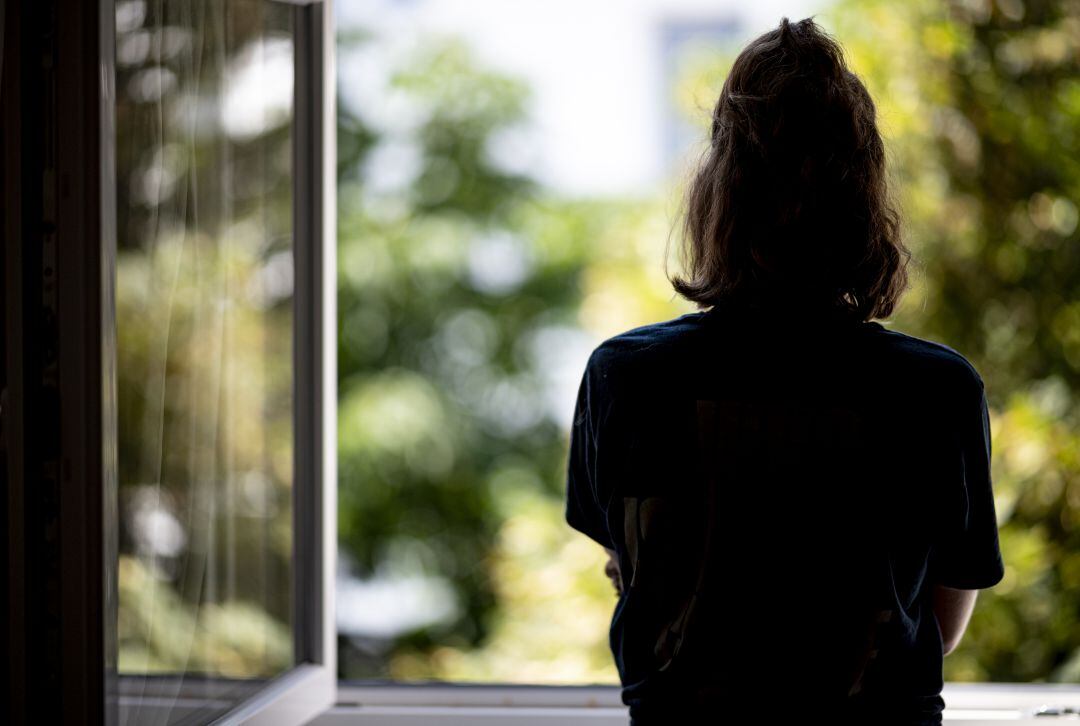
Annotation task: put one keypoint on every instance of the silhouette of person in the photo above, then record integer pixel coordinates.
(796, 500)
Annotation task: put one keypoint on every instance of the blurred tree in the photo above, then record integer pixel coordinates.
(454, 289)
(455, 270)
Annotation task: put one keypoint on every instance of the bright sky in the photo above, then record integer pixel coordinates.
(596, 68)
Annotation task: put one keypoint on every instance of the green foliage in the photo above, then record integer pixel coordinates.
(447, 444)
(980, 105)
(439, 394)
(158, 632)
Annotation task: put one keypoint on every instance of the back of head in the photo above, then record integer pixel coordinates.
(789, 206)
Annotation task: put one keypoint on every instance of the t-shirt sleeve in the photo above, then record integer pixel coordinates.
(968, 556)
(583, 510)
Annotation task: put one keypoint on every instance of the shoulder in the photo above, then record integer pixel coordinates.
(936, 361)
(644, 344)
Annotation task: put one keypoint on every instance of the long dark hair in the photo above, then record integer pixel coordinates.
(789, 204)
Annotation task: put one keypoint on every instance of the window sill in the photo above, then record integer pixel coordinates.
(511, 705)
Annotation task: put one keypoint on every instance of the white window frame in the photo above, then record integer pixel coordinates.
(968, 704)
(460, 704)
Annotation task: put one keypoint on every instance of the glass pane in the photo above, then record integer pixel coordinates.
(204, 328)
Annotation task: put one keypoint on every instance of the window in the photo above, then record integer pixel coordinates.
(204, 340)
(171, 486)
(218, 366)
(493, 225)
(171, 337)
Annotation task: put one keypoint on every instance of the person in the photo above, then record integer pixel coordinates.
(796, 499)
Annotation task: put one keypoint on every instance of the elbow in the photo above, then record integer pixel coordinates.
(948, 645)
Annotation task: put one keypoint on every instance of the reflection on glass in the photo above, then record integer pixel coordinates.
(204, 326)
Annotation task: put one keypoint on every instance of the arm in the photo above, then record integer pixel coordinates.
(968, 558)
(953, 608)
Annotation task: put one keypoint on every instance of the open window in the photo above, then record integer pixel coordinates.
(170, 343)
(508, 173)
(169, 395)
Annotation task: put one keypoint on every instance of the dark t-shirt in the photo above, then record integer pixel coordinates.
(781, 495)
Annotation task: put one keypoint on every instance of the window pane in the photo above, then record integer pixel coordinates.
(204, 326)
